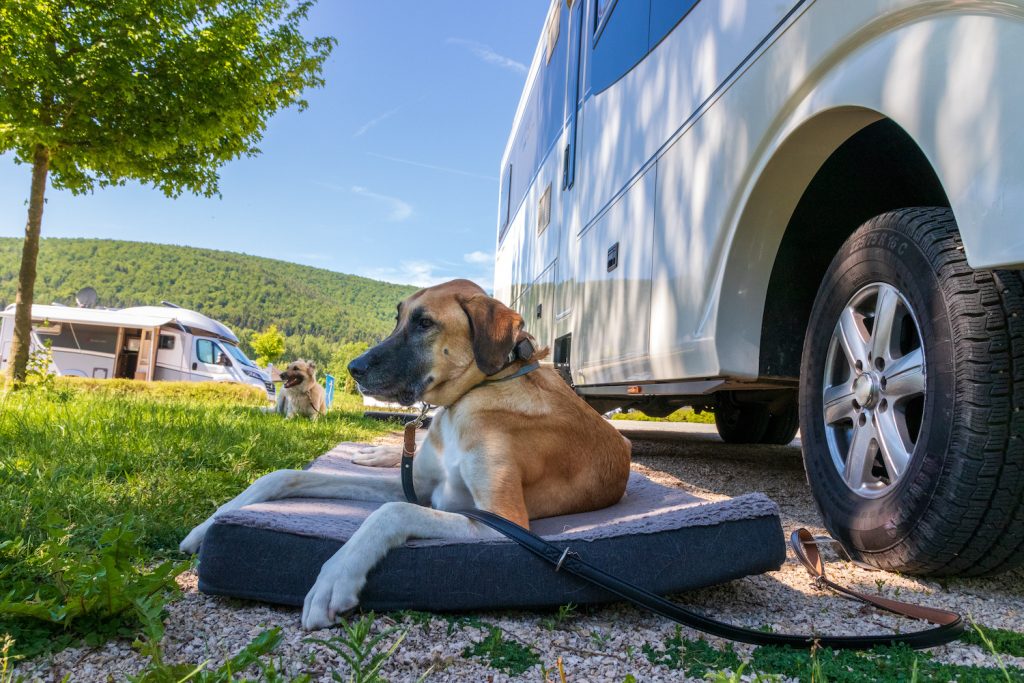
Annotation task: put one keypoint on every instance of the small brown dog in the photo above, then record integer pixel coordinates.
(301, 393)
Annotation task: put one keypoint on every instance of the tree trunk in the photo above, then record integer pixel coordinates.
(18, 359)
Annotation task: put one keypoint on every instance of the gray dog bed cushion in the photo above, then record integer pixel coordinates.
(661, 538)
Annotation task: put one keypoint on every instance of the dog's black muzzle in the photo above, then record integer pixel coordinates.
(394, 370)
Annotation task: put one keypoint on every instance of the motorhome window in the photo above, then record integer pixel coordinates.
(620, 41)
(541, 123)
(505, 208)
(554, 23)
(665, 15)
(208, 352)
(166, 342)
(602, 8)
(239, 356)
(84, 338)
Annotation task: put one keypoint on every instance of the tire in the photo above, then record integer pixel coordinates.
(783, 424)
(957, 505)
(740, 422)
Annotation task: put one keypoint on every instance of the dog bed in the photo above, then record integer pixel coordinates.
(661, 538)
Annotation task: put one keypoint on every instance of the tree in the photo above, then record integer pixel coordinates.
(163, 92)
(268, 345)
(344, 355)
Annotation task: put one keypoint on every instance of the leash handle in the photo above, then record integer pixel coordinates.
(805, 547)
(950, 627)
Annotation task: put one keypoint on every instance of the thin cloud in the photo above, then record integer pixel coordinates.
(400, 210)
(373, 122)
(432, 167)
(416, 273)
(487, 54)
(478, 258)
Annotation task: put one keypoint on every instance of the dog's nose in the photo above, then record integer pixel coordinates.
(359, 367)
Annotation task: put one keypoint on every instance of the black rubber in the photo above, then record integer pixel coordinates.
(959, 508)
(738, 422)
(783, 424)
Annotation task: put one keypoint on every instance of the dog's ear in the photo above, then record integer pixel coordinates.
(312, 367)
(493, 327)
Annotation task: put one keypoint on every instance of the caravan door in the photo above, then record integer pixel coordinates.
(209, 361)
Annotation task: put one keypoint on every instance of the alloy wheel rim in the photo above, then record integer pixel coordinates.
(874, 389)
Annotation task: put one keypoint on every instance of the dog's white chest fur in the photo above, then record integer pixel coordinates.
(445, 470)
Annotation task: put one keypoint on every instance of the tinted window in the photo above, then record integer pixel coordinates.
(620, 41)
(504, 209)
(208, 352)
(665, 14)
(84, 337)
(166, 341)
(543, 116)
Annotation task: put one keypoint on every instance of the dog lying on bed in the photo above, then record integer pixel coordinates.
(301, 393)
(523, 446)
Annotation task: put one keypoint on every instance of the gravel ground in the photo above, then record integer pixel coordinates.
(600, 643)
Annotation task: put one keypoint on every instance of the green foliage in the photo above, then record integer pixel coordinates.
(267, 345)
(693, 657)
(560, 618)
(161, 92)
(996, 639)
(895, 664)
(249, 656)
(504, 655)
(359, 648)
(681, 415)
(74, 589)
(131, 473)
(344, 355)
(316, 309)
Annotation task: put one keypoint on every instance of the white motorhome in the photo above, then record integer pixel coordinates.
(146, 343)
(797, 213)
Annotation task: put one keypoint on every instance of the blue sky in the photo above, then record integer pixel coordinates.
(391, 172)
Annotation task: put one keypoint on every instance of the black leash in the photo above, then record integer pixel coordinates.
(949, 625)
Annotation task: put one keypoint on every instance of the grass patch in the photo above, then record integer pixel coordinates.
(504, 655)
(694, 657)
(681, 415)
(148, 459)
(700, 659)
(999, 640)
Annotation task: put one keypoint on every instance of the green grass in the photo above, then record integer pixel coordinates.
(681, 415)
(153, 459)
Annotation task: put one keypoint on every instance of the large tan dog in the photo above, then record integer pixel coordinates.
(523, 448)
(301, 393)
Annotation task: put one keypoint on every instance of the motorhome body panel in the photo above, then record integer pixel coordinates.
(729, 117)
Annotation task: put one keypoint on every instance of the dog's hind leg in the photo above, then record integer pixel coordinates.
(343, 576)
(301, 484)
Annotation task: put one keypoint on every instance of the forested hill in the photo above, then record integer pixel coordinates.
(248, 293)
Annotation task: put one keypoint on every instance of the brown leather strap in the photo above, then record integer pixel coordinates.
(805, 547)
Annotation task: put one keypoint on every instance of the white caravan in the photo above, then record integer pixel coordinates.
(796, 213)
(142, 343)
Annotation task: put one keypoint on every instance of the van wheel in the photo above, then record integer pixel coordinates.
(783, 423)
(912, 400)
(740, 422)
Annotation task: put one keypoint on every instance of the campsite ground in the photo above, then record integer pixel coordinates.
(609, 643)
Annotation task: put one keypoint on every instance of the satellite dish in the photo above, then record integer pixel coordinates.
(86, 297)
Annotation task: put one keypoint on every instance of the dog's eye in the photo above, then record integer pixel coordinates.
(426, 323)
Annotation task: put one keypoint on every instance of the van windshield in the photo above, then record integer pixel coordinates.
(239, 356)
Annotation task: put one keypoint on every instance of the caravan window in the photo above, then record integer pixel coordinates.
(166, 341)
(620, 40)
(82, 337)
(208, 352)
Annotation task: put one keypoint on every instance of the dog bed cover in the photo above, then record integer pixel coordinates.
(661, 538)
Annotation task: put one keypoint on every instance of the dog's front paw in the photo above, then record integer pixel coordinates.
(195, 538)
(329, 598)
(378, 456)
